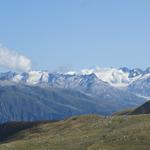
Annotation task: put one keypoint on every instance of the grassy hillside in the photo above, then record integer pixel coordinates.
(83, 133)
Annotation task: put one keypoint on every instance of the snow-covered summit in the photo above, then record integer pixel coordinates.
(119, 78)
(113, 76)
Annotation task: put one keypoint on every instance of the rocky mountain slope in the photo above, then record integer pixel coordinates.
(26, 103)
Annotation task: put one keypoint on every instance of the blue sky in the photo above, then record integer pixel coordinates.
(78, 33)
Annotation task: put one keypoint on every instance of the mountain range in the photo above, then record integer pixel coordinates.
(43, 95)
(119, 78)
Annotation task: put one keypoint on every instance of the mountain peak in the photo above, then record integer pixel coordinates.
(119, 78)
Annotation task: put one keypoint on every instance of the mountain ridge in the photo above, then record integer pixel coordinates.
(121, 78)
(38, 95)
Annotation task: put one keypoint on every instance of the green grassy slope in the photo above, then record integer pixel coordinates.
(84, 133)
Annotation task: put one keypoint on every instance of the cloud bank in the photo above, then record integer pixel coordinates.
(13, 60)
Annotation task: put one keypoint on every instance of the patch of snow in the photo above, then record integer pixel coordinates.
(17, 78)
(35, 77)
(71, 73)
(115, 77)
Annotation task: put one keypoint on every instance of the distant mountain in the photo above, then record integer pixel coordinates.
(28, 103)
(141, 86)
(135, 80)
(122, 77)
(42, 95)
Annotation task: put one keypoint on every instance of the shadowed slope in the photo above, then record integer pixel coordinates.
(143, 109)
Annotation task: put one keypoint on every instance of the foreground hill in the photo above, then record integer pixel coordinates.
(84, 132)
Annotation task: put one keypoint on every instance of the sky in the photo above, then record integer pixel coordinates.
(75, 34)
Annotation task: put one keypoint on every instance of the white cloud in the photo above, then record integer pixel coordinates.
(12, 60)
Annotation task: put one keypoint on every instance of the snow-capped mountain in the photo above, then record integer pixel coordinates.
(122, 77)
(102, 91)
(135, 80)
(141, 86)
(115, 77)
